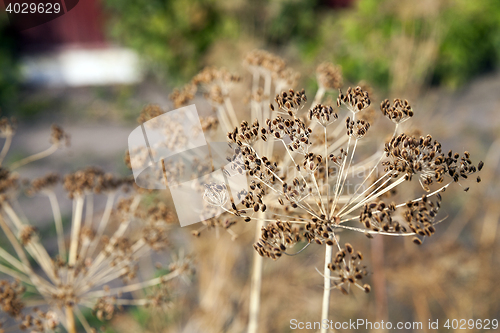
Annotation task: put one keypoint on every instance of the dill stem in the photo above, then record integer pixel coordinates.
(5, 149)
(255, 286)
(327, 286)
(75, 231)
(58, 223)
(230, 111)
(70, 319)
(34, 157)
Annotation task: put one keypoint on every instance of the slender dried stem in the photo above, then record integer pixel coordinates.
(5, 149)
(75, 231)
(58, 222)
(255, 286)
(70, 319)
(34, 157)
(327, 286)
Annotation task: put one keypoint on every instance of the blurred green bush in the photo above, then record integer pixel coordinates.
(9, 67)
(399, 43)
(390, 43)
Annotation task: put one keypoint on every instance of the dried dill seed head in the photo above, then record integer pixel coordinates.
(209, 123)
(329, 76)
(216, 194)
(290, 102)
(323, 114)
(423, 156)
(399, 112)
(104, 308)
(276, 238)
(347, 270)
(263, 63)
(216, 84)
(47, 182)
(10, 298)
(210, 75)
(182, 97)
(265, 60)
(149, 112)
(26, 234)
(73, 278)
(355, 99)
(9, 182)
(39, 321)
(58, 137)
(92, 179)
(357, 129)
(7, 127)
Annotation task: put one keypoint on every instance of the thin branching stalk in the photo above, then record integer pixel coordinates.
(56, 211)
(34, 157)
(5, 149)
(326, 287)
(70, 318)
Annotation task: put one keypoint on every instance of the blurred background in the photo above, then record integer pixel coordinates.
(93, 70)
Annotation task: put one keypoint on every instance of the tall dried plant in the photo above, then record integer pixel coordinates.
(48, 289)
(299, 164)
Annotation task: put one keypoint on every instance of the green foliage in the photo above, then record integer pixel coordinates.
(172, 35)
(466, 35)
(9, 67)
(472, 42)
(450, 40)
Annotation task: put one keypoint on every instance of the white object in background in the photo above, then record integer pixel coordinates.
(77, 67)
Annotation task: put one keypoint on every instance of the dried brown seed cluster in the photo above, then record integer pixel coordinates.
(421, 216)
(210, 75)
(183, 96)
(253, 199)
(10, 297)
(155, 232)
(276, 238)
(7, 127)
(182, 265)
(216, 83)
(40, 322)
(290, 102)
(91, 179)
(216, 194)
(209, 123)
(26, 234)
(295, 191)
(292, 130)
(423, 156)
(105, 308)
(265, 60)
(323, 114)
(399, 112)
(49, 181)
(9, 182)
(245, 134)
(312, 162)
(260, 168)
(347, 270)
(58, 137)
(329, 76)
(149, 112)
(337, 159)
(320, 231)
(358, 128)
(355, 99)
(160, 298)
(377, 216)
(121, 254)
